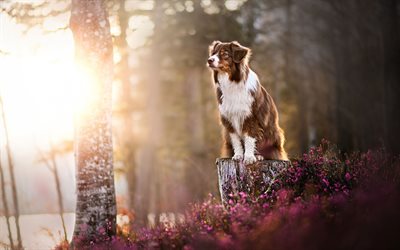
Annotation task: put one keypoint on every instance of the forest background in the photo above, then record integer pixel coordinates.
(331, 67)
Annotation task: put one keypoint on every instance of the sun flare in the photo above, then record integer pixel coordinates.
(44, 96)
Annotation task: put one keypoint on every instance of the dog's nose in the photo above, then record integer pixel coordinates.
(210, 60)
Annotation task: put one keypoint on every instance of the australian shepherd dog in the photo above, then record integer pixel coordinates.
(248, 113)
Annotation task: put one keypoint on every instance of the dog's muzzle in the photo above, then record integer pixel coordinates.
(213, 61)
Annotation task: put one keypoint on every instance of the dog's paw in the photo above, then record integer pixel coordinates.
(237, 157)
(249, 159)
(259, 157)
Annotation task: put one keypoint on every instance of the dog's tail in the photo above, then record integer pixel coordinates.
(272, 147)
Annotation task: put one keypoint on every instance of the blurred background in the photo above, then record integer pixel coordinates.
(332, 68)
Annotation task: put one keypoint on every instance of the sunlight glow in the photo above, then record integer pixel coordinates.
(48, 93)
(42, 87)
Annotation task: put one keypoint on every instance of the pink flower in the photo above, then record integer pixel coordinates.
(101, 230)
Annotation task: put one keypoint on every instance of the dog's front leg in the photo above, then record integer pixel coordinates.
(237, 147)
(249, 150)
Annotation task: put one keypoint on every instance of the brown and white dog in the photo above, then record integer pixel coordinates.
(248, 113)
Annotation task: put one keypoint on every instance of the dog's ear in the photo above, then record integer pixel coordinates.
(212, 46)
(239, 52)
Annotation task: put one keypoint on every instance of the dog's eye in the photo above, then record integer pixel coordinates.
(225, 54)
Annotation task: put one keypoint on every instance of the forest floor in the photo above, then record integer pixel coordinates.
(326, 200)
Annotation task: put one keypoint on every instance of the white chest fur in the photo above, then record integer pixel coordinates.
(237, 99)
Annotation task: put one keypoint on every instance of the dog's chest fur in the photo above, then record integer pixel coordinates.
(237, 99)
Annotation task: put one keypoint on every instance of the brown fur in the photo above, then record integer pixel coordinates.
(263, 123)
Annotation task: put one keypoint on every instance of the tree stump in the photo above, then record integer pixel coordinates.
(234, 177)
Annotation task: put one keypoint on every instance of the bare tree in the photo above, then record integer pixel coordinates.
(96, 204)
(12, 175)
(5, 205)
(49, 159)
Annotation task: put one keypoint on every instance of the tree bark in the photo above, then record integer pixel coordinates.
(96, 205)
(234, 177)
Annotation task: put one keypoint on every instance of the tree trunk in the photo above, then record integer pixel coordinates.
(96, 205)
(59, 194)
(391, 66)
(234, 177)
(148, 177)
(125, 133)
(195, 173)
(5, 206)
(12, 175)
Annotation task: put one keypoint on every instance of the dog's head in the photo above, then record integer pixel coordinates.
(227, 57)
